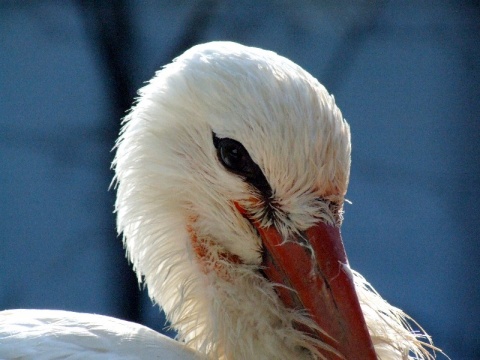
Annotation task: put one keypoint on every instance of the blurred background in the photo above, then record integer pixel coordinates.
(405, 74)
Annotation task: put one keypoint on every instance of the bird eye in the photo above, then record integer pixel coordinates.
(235, 157)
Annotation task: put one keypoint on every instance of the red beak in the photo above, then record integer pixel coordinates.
(314, 271)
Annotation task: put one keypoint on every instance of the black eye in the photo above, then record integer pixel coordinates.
(236, 159)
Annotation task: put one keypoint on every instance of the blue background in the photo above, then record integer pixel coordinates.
(405, 74)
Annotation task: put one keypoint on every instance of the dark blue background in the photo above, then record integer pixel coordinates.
(406, 77)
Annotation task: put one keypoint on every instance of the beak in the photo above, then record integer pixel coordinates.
(313, 272)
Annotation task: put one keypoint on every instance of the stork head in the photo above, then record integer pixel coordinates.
(232, 169)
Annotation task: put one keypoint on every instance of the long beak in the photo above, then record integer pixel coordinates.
(313, 271)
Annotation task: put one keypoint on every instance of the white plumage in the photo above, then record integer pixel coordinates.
(56, 334)
(177, 206)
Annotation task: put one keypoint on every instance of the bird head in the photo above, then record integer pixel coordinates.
(231, 170)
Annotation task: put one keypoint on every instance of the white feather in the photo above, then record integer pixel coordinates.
(55, 334)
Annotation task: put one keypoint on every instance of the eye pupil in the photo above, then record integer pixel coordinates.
(234, 156)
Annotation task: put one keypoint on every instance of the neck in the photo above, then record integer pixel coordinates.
(229, 311)
(242, 319)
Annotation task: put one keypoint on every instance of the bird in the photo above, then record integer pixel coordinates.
(231, 171)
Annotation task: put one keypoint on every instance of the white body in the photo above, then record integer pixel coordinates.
(56, 334)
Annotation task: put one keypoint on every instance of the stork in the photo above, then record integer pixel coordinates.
(231, 174)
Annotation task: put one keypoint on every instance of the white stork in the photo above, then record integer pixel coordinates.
(231, 172)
